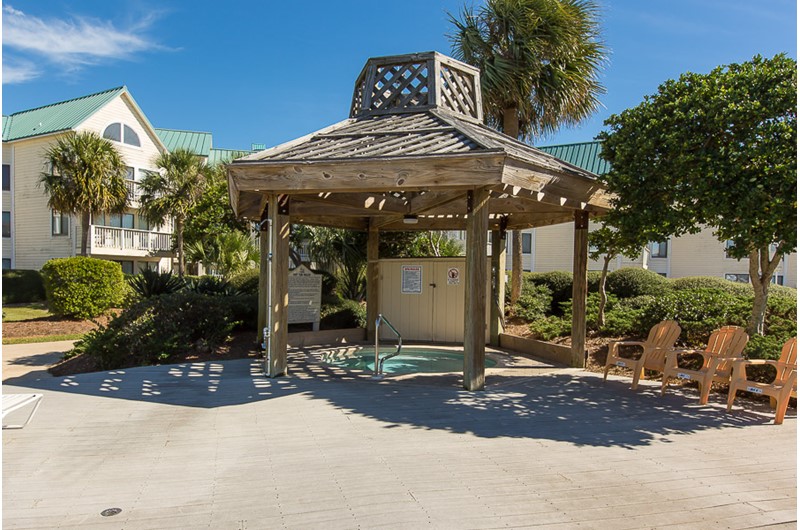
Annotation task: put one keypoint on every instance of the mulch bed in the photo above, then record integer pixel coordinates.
(52, 325)
(241, 346)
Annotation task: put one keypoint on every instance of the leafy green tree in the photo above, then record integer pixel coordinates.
(212, 212)
(173, 192)
(608, 243)
(716, 149)
(539, 61)
(228, 253)
(86, 177)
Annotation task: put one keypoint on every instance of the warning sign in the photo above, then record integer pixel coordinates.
(453, 276)
(411, 280)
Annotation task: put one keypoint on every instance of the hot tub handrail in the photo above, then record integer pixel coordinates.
(378, 360)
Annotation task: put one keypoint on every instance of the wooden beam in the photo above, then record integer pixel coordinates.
(369, 202)
(300, 207)
(497, 317)
(278, 213)
(580, 288)
(451, 171)
(475, 289)
(373, 278)
(430, 203)
(351, 223)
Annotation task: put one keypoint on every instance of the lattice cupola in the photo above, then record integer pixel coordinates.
(417, 82)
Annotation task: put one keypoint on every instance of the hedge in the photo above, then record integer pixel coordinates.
(630, 281)
(22, 286)
(155, 329)
(83, 287)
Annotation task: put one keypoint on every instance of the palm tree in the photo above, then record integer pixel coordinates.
(86, 177)
(172, 192)
(539, 61)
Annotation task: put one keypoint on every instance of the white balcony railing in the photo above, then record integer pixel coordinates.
(134, 190)
(121, 239)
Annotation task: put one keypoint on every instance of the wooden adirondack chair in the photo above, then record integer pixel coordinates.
(661, 339)
(779, 390)
(724, 347)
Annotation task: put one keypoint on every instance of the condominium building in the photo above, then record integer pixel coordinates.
(33, 233)
(549, 248)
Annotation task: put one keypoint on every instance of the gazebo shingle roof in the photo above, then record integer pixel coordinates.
(414, 147)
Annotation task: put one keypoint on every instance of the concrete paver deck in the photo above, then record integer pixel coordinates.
(217, 445)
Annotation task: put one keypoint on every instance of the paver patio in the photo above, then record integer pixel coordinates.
(217, 445)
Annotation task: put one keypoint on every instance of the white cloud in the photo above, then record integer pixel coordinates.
(70, 43)
(18, 71)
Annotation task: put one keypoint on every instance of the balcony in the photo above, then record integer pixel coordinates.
(107, 240)
(134, 191)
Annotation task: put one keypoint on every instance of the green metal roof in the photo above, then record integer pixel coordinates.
(585, 155)
(217, 156)
(62, 116)
(196, 142)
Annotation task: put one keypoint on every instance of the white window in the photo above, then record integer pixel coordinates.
(6, 263)
(526, 243)
(6, 177)
(658, 249)
(6, 224)
(728, 245)
(119, 132)
(60, 224)
(741, 278)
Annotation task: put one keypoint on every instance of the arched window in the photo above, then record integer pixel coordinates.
(113, 132)
(119, 132)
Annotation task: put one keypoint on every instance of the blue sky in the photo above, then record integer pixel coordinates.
(268, 72)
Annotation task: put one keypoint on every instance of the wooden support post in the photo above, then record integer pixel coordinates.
(278, 214)
(475, 289)
(373, 278)
(496, 319)
(580, 264)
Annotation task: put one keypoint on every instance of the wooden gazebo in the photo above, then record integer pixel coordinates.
(414, 155)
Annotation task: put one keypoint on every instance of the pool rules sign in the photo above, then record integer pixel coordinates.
(305, 296)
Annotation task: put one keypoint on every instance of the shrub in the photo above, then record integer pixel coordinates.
(210, 285)
(153, 283)
(156, 328)
(690, 283)
(593, 281)
(22, 287)
(243, 310)
(559, 283)
(551, 327)
(698, 311)
(83, 287)
(534, 302)
(631, 281)
(625, 317)
(345, 314)
(246, 282)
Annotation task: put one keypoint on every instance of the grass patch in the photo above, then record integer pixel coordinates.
(19, 313)
(44, 338)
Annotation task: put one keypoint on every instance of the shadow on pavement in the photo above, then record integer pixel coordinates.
(569, 406)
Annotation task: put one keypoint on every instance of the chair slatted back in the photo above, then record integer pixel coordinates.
(662, 337)
(788, 356)
(727, 341)
(664, 334)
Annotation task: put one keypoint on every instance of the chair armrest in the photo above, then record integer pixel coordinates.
(614, 346)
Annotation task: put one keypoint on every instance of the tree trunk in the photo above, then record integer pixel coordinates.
(86, 229)
(511, 128)
(179, 237)
(761, 270)
(601, 313)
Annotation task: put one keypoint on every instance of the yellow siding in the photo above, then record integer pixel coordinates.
(7, 248)
(702, 254)
(31, 217)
